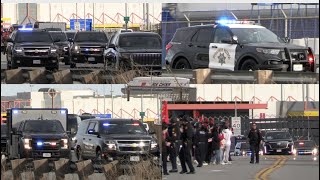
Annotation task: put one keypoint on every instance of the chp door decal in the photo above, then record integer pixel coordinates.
(222, 56)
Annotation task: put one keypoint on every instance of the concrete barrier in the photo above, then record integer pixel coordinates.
(40, 167)
(263, 77)
(38, 76)
(92, 78)
(72, 176)
(97, 176)
(62, 77)
(124, 77)
(85, 168)
(7, 175)
(49, 176)
(29, 175)
(61, 167)
(4, 166)
(17, 166)
(14, 76)
(202, 76)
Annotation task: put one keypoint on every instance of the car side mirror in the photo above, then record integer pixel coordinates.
(9, 40)
(73, 130)
(70, 39)
(113, 46)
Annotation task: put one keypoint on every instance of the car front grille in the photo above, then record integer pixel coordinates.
(36, 51)
(146, 59)
(46, 144)
(91, 50)
(133, 146)
(278, 145)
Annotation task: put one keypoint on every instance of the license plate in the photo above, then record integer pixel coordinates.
(134, 158)
(46, 155)
(91, 59)
(298, 67)
(36, 62)
(279, 150)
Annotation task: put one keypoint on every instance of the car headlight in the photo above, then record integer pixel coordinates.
(315, 151)
(111, 145)
(18, 49)
(268, 51)
(27, 144)
(65, 144)
(153, 144)
(53, 50)
(76, 48)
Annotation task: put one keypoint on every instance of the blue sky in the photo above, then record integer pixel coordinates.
(13, 89)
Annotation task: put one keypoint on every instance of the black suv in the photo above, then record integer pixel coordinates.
(235, 46)
(42, 139)
(129, 50)
(278, 142)
(32, 48)
(63, 44)
(88, 47)
(109, 139)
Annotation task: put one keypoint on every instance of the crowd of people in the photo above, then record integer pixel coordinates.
(195, 141)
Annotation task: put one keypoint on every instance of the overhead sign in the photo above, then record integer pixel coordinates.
(236, 125)
(77, 26)
(85, 24)
(160, 82)
(126, 19)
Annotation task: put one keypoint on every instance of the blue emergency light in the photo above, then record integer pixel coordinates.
(25, 29)
(39, 143)
(225, 21)
(63, 112)
(106, 124)
(15, 111)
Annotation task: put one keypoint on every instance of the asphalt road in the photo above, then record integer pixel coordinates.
(269, 168)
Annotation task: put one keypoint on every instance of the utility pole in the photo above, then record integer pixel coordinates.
(147, 15)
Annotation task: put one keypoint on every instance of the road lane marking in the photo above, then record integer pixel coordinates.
(264, 173)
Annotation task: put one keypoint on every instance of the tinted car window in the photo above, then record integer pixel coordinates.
(145, 42)
(91, 37)
(182, 35)
(122, 128)
(91, 125)
(277, 135)
(255, 35)
(33, 37)
(70, 35)
(58, 36)
(204, 35)
(220, 34)
(43, 126)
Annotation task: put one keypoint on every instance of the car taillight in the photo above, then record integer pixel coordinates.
(310, 56)
(168, 46)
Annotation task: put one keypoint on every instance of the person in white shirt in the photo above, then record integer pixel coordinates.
(227, 134)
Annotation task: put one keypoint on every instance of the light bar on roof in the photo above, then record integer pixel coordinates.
(224, 21)
(25, 29)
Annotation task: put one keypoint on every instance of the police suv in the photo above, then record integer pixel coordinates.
(236, 45)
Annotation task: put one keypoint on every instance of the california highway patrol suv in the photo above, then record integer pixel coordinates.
(32, 48)
(122, 139)
(235, 45)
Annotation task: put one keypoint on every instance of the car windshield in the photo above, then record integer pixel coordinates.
(277, 135)
(144, 42)
(255, 35)
(301, 144)
(33, 36)
(61, 36)
(122, 128)
(43, 126)
(90, 37)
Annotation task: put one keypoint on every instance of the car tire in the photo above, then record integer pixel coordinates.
(79, 154)
(182, 63)
(249, 65)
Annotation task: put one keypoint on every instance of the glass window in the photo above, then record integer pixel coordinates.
(91, 125)
(204, 35)
(145, 42)
(255, 35)
(43, 126)
(220, 34)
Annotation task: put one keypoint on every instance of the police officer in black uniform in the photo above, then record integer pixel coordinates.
(200, 141)
(185, 151)
(254, 137)
(164, 148)
(175, 142)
